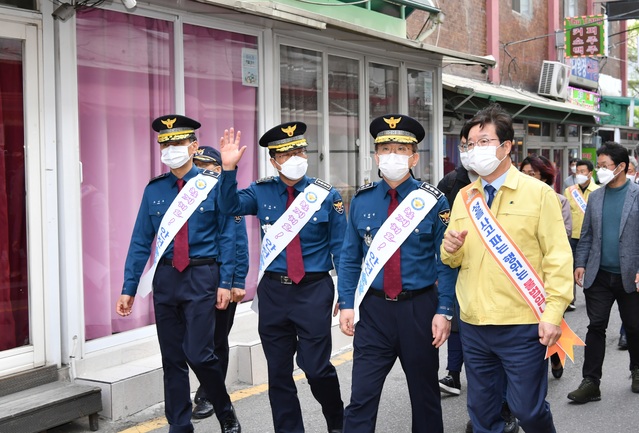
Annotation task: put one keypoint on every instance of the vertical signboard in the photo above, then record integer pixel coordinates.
(585, 36)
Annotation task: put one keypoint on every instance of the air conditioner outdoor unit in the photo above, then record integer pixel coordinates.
(553, 81)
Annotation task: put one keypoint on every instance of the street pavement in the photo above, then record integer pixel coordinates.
(616, 412)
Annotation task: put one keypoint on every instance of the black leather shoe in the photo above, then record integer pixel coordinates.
(557, 371)
(623, 342)
(230, 424)
(203, 409)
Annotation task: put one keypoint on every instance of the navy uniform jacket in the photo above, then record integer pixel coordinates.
(241, 251)
(320, 238)
(421, 265)
(210, 233)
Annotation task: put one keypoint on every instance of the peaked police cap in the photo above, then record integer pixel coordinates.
(397, 128)
(174, 127)
(285, 137)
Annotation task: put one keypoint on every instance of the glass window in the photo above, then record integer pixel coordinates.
(22, 4)
(383, 89)
(301, 96)
(420, 107)
(14, 282)
(539, 129)
(343, 111)
(124, 81)
(219, 97)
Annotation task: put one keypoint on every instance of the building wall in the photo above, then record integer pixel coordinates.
(524, 39)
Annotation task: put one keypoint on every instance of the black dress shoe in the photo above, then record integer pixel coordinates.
(203, 409)
(230, 424)
(557, 372)
(623, 342)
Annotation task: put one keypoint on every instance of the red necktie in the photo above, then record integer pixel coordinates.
(294, 261)
(392, 268)
(181, 242)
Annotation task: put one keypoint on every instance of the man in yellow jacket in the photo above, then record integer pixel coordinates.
(505, 334)
(577, 196)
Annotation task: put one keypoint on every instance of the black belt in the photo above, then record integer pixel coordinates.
(309, 277)
(192, 262)
(404, 295)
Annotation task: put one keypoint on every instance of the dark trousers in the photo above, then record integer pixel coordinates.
(606, 289)
(514, 352)
(455, 351)
(297, 318)
(185, 319)
(223, 324)
(386, 331)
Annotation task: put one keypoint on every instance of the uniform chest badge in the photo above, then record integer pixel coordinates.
(368, 237)
(200, 184)
(311, 197)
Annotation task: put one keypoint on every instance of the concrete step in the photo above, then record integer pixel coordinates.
(131, 385)
(38, 407)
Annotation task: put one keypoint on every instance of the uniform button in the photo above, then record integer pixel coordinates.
(314, 218)
(266, 218)
(202, 209)
(368, 229)
(416, 230)
(158, 213)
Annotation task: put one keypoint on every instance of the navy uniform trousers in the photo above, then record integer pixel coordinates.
(185, 319)
(297, 318)
(490, 351)
(388, 330)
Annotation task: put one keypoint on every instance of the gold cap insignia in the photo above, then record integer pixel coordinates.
(168, 122)
(290, 130)
(392, 122)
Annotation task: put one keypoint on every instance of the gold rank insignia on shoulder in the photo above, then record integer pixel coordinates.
(444, 216)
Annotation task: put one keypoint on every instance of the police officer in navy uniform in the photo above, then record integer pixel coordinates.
(413, 324)
(208, 158)
(293, 317)
(185, 300)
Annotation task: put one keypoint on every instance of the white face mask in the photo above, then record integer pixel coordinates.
(393, 166)
(294, 168)
(630, 177)
(483, 159)
(605, 176)
(465, 159)
(175, 156)
(573, 169)
(581, 179)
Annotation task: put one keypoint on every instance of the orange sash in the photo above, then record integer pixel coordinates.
(516, 267)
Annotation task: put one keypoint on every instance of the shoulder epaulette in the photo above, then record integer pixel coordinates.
(319, 182)
(210, 173)
(431, 190)
(265, 179)
(365, 187)
(162, 176)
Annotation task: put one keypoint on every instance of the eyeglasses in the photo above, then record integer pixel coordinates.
(464, 147)
(606, 166)
(288, 155)
(400, 149)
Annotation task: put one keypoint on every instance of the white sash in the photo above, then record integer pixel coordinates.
(287, 226)
(575, 193)
(392, 234)
(185, 203)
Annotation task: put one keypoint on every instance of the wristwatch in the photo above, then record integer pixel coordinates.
(447, 316)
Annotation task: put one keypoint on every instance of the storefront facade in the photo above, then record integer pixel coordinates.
(79, 89)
